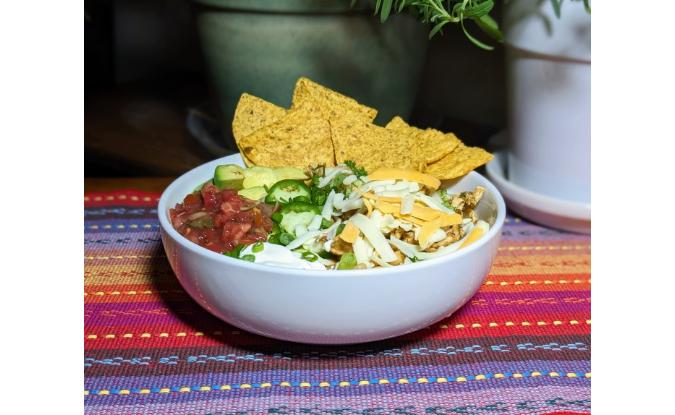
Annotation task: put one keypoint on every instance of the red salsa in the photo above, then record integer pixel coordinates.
(220, 220)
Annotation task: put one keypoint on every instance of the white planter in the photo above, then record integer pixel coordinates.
(549, 79)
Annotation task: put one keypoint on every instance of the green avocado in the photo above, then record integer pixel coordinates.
(284, 173)
(259, 176)
(228, 176)
(253, 193)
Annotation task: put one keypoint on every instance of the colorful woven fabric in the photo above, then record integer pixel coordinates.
(520, 346)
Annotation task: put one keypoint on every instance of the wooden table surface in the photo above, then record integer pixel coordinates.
(151, 184)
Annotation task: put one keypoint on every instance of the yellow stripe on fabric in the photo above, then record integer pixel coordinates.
(343, 384)
(537, 282)
(113, 257)
(541, 264)
(544, 248)
(458, 326)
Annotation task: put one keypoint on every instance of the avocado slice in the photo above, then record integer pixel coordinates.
(292, 173)
(253, 193)
(228, 176)
(259, 176)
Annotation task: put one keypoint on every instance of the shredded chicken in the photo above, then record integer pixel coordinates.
(340, 247)
(465, 202)
(454, 233)
(399, 257)
(408, 237)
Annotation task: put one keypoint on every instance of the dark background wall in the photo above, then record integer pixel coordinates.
(144, 75)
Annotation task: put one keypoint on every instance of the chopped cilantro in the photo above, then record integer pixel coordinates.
(337, 181)
(248, 257)
(309, 256)
(447, 201)
(285, 238)
(358, 171)
(257, 247)
(235, 252)
(347, 261)
(325, 223)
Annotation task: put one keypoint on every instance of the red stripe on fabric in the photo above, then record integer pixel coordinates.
(214, 336)
(121, 198)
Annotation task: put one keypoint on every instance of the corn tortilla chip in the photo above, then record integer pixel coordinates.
(396, 123)
(332, 104)
(430, 145)
(253, 113)
(458, 163)
(299, 139)
(369, 145)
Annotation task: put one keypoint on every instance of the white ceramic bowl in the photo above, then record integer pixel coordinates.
(329, 307)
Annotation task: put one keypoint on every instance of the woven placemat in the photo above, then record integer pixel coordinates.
(520, 346)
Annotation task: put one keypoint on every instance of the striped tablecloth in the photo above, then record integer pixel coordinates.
(520, 346)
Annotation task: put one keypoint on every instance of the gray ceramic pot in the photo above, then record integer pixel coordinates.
(263, 46)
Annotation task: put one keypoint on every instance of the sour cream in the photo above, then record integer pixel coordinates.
(280, 256)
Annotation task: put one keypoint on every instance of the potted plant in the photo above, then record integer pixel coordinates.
(263, 46)
(548, 67)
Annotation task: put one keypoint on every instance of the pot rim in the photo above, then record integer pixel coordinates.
(287, 6)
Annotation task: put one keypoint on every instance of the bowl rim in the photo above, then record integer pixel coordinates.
(169, 231)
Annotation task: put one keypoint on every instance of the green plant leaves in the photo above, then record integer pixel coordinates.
(441, 12)
(473, 39)
(386, 9)
(436, 28)
(488, 25)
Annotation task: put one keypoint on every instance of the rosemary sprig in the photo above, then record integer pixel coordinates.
(438, 13)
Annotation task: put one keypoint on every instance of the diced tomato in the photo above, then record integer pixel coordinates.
(234, 232)
(236, 220)
(210, 197)
(192, 202)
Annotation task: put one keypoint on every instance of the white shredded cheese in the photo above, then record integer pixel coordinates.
(330, 232)
(349, 179)
(374, 236)
(433, 203)
(400, 193)
(299, 241)
(352, 204)
(338, 200)
(403, 185)
(407, 204)
(328, 206)
(408, 250)
(330, 175)
(437, 236)
(361, 251)
(376, 259)
(315, 224)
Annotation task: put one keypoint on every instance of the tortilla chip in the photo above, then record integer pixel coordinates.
(332, 104)
(396, 123)
(253, 113)
(299, 139)
(458, 163)
(369, 145)
(431, 145)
